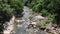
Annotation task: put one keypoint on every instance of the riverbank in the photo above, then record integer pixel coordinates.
(33, 23)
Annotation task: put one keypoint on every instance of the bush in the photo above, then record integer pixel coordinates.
(5, 14)
(18, 6)
(7, 10)
(47, 8)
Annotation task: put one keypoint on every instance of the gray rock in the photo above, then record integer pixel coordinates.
(43, 32)
(39, 17)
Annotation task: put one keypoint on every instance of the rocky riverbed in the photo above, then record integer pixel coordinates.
(31, 23)
(28, 26)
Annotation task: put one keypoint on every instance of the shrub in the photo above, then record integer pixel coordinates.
(7, 10)
(5, 15)
(18, 6)
(46, 7)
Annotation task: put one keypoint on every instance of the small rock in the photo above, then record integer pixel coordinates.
(52, 28)
(39, 17)
(47, 30)
(30, 25)
(54, 25)
(20, 21)
(43, 32)
(34, 23)
(42, 29)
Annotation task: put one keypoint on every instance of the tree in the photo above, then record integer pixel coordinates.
(7, 10)
(5, 14)
(47, 8)
(17, 5)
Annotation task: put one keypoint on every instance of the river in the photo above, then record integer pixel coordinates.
(22, 28)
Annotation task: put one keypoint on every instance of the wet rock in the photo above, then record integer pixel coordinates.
(30, 25)
(54, 25)
(58, 30)
(48, 30)
(39, 17)
(10, 27)
(43, 32)
(34, 23)
(33, 30)
(20, 21)
(42, 29)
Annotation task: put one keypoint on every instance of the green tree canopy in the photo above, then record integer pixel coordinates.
(17, 5)
(7, 10)
(46, 7)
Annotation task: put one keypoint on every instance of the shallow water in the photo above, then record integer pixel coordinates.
(22, 27)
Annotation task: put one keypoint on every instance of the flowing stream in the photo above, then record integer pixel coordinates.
(21, 29)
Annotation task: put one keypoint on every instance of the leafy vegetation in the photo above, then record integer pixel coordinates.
(7, 10)
(48, 8)
(18, 6)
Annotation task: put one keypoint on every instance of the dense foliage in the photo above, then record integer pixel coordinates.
(7, 10)
(49, 8)
(17, 5)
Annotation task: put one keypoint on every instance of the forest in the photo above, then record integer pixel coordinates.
(46, 8)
